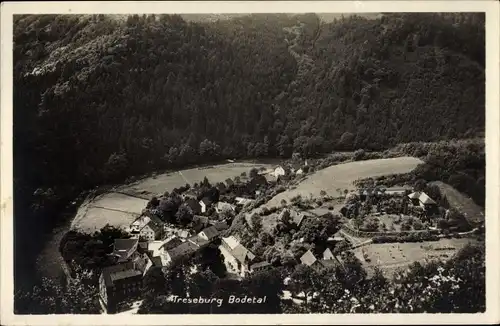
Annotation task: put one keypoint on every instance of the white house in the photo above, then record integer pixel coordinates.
(139, 223)
(205, 204)
(237, 258)
(279, 171)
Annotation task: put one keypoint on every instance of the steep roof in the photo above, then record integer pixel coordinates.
(426, 199)
(308, 258)
(242, 254)
(211, 232)
(141, 221)
(327, 254)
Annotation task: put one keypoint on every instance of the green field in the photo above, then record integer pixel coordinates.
(342, 176)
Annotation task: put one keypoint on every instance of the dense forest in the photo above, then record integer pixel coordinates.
(98, 98)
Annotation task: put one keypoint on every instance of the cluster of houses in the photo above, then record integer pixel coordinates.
(294, 168)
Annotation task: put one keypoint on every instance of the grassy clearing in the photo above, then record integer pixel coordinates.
(391, 256)
(342, 176)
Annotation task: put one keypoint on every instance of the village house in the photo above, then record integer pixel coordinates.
(279, 171)
(205, 204)
(237, 258)
(224, 207)
(184, 249)
(153, 230)
(296, 168)
(423, 200)
(209, 233)
(119, 283)
(376, 192)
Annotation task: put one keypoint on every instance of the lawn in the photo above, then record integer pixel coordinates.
(391, 256)
(342, 176)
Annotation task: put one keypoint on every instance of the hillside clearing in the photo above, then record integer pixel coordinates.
(342, 176)
(465, 205)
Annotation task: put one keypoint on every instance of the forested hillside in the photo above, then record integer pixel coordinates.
(99, 98)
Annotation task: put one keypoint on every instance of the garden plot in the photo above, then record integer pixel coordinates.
(392, 256)
(342, 176)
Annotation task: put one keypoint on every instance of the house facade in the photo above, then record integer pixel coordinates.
(259, 267)
(119, 283)
(153, 230)
(424, 201)
(237, 258)
(205, 204)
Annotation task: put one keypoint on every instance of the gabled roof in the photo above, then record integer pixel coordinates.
(426, 199)
(308, 258)
(211, 232)
(155, 224)
(141, 221)
(327, 254)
